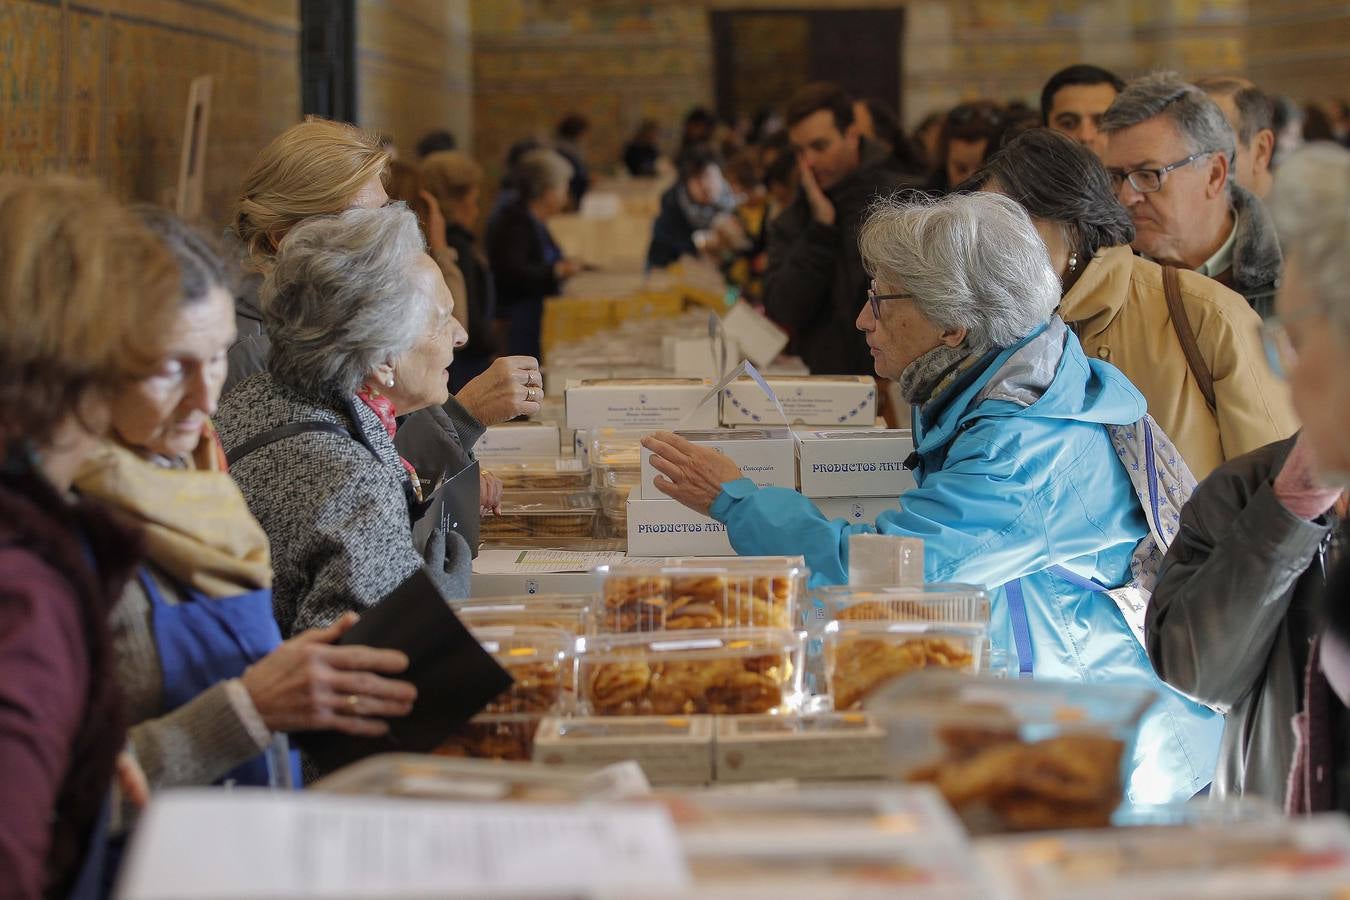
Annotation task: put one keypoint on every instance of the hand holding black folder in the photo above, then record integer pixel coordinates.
(454, 676)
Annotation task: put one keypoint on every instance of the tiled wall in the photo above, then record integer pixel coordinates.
(413, 69)
(619, 60)
(100, 88)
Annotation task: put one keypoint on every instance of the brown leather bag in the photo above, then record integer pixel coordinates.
(1182, 325)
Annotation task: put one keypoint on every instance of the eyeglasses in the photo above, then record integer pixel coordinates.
(875, 299)
(1149, 181)
(1281, 354)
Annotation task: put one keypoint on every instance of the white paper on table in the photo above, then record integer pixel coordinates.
(211, 844)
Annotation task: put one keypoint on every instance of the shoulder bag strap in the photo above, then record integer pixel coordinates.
(1182, 325)
(284, 431)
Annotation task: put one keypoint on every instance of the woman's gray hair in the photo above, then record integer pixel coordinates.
(1196, 116)
(541, 170)
(1311, 208)
(972, 261)
(343, 296)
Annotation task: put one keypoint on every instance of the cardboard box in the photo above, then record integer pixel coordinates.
(767, 456)
(759, 339)
(695, 357)
(670, 750)
(858, 510)
(531, 439)
(655, 403)
(829, 746)
(667, 528)
(855, 463)
(822, 400)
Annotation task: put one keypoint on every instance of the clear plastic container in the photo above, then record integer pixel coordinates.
(860, 657)
(438, 778)
(568, 612)
(1013, 755)
(948, 603)
(834, 817)
(820, 747)
(537, 514)
(1308, 859)
(539, 659)
(672, 750)
(753, 670)
(540, 473)
(646, 600)
(798, 872)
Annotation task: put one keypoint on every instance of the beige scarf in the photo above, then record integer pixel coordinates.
(198, 528)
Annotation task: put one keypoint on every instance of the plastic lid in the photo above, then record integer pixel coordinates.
(931, 603)
(544, 503)
(1054, 706)
(689, 644)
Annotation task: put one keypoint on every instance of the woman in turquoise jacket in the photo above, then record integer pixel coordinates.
(1015, 468)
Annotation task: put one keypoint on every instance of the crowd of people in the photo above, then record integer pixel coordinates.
(217, 454)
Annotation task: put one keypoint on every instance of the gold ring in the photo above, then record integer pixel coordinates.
(352, 700)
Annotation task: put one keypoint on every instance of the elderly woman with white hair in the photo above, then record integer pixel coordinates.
(361, 329)
(1019, 487)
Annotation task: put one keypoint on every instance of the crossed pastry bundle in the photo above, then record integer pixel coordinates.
(1071, 781)
(655, 602)
(649, 687)
(520, 526)
(859, 666)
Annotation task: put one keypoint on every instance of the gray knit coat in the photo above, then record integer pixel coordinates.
(337, 518)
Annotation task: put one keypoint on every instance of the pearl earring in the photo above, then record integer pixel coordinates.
(1073, 261)
(389, 383)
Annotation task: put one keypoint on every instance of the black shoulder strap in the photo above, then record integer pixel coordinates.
(284, 431)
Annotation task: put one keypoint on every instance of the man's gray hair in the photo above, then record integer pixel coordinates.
(1311, 208)
(541, 170)
(1196, 116)
(343, 296)
(972, 261)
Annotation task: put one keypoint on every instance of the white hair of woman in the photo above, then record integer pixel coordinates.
(971, 261)
(344, 297)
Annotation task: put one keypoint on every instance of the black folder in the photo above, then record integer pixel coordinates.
(455, 677)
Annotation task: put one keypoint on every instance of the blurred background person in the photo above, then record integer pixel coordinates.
(434, 142)
(1287, 121)
(569, 139)
(404, 182)
(690, 209)
(699, 126)
(454, 182)
(969, 136)
(527, 263)
(1250, 114)
(1074, 100)
(643, 150)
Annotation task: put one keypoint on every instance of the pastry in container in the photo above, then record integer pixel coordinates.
(753, 670)
(950, 603)
(508, 736)
(676, 598)
(540, 474)
(543, 514)
(1013, 755)
(861, 657)
(569, 612)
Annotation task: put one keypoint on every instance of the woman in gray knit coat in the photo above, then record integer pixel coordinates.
(361, 331)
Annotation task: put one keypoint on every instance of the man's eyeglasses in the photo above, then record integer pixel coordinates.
(1149, 181)
(875, 299)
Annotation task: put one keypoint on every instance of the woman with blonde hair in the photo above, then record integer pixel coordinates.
(84, 290)
(319, 168)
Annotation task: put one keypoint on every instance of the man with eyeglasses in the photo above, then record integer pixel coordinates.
(1170, 152)
(815, 281)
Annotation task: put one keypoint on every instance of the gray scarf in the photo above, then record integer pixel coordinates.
(921, 378)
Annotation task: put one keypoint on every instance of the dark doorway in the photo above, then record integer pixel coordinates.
(761, 57)
(328, 59)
